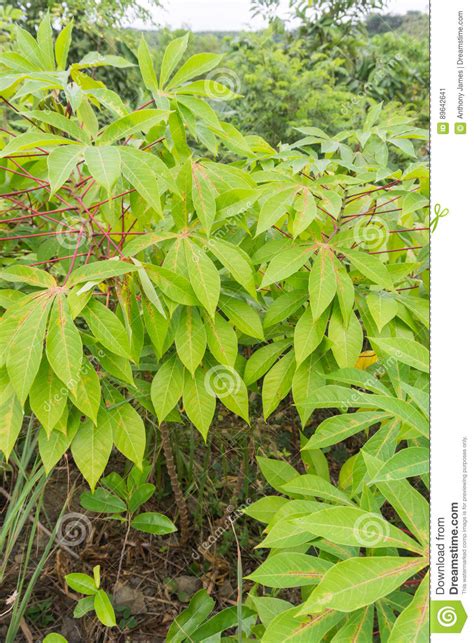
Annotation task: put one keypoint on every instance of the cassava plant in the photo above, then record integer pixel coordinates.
(156, 260)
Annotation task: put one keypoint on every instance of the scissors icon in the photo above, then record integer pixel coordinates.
(439, 214)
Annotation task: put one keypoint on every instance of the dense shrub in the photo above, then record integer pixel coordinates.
(142, 279)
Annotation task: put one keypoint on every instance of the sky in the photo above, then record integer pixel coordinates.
(233, 15)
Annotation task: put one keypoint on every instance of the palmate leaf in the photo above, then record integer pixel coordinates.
(357, 582)
(139, 121)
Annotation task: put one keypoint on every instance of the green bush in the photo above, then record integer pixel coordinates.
(141, 279)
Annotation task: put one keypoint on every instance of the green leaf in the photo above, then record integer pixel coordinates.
(147, 70)
(308, 377)
(199, 401)
(200, 606)
(64, 344)
(286, 264)
(309, 484)
(382, 308)
(139, 121)
(290, 569)
(275, 207)
(262, 360)
(190, 338)
(83, 607)
(167, 387)
(371, 267)
(407, 463)
(28, 275)
(346, 341)
(61, 47)
(105, 164)
(203, 197)
(405, 350)
(243, 316)
(345, 293)
(107, 328)
(61, 163)
(322, 282)
(103, 609)
(11, 415)
(91, 449)
(340, 427)
(100, 270)
(102, 501)
(358, 582)
(58, 121)
(236, 261)
(276, 472)
(410, 505)
(412, 624)
(195, 66)
(203, 276)
(25, 350)
(140, 173)
(224, 620)
(54, 637)
(29, 140)
(86, 394)
(309, 334)
(290, 626)
(222, 340)
(277, 383)
(226, 383)
(358, 629)
(356, 527)
(173, 54)
(81, 583)
(265, 508)
(153, 523)
(53, 448)
(127, 427)
(48, 397)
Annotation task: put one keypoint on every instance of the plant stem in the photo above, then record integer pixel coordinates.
(178, 494)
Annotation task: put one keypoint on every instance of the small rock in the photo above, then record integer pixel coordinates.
(126, 596)
(187, 585)
(71, 630)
